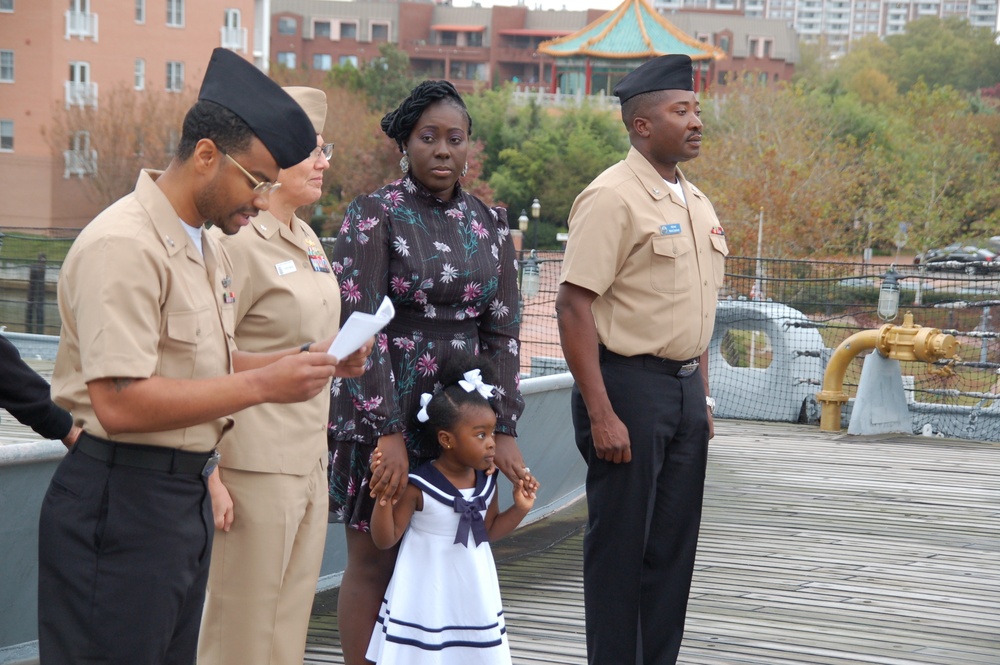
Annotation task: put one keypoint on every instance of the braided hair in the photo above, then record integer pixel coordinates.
(444, 410)
(398, 124)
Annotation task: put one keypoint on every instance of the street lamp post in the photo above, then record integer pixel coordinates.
(531, 276)
(536, 213)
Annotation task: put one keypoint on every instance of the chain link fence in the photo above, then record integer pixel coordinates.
(830, 300)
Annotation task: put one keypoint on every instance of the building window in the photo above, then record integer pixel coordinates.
(140, 11)
(287, 26)
(349, 60)
(234, 35)
(79, 89)
(723, 78)
(7, 66)
(752, 50)
(80, 21)
(175, 13)
(380, 32)
(724, 43)
(6, 5)
(175, 76)
(474, 39)
(767, 47)
(323, 61)
(286, 58)
(80, 159)
(321, 29)
(348, 30)
(6, 136)
(140, 74)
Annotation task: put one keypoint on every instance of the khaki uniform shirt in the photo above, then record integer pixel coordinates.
(137, 300)
(655, 263)
(284, 299)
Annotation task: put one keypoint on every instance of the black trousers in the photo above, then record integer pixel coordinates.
(122, 566)
(642, 530)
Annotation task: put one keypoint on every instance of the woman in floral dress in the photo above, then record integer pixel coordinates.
(447, 262)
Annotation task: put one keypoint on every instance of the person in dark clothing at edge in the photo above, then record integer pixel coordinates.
(27, 397)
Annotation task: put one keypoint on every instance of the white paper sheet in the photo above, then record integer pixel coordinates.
(359, 327)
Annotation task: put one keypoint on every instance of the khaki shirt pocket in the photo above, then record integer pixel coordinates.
(666, 270)
(719, 258)
(186, 331)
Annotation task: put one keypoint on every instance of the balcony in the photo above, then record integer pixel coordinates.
(81, 24)
(80, 163)
(81, 94)
(234, 39)
(419, 49)
(518, 55)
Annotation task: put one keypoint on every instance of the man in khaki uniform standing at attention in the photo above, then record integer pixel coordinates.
(270, 495)
(636, 308)
(146, 365)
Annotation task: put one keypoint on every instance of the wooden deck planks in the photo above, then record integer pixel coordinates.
(816, 549)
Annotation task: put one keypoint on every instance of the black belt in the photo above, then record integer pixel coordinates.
(678, 368)
(152, 458)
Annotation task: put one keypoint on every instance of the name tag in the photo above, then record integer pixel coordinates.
(285, 267)
(670, 229)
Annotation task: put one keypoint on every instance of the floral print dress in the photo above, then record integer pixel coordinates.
(450, 270)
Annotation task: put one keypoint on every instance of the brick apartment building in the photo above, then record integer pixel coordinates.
(54, 55)
(485, 47)
(471, 46)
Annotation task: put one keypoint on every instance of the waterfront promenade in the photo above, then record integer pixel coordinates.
(816, 549)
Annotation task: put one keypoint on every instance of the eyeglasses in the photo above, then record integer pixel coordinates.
(259, 187)
(326, 150)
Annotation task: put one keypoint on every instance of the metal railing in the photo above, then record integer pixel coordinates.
(81, 93)
(81, 24)
(234, 39)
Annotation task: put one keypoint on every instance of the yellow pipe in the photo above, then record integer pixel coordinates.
(905, 342)
(833, 395)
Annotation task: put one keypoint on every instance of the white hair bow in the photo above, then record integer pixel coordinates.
(473, 380)
(425, 399)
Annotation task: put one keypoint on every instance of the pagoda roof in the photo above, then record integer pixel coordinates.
(634, 30)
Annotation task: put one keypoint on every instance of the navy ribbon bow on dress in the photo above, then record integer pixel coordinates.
(471, 519)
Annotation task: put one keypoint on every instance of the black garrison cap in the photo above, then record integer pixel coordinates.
(667, 72)
(277, 119)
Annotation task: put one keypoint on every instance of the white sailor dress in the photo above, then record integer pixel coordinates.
(443, 605)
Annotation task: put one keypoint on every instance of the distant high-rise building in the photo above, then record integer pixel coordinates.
(840, 22)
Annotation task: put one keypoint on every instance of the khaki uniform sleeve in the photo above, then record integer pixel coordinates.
(119, 328)
(600, 238)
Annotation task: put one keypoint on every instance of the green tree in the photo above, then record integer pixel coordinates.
(564, 153)
(941, 169)
(499, 123)
(778, 150)
(386, 79)
(945, 52)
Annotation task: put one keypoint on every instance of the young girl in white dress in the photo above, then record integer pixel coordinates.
(443, 605)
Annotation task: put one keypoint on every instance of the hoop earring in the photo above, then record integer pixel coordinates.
(404, 163)
(465, 169)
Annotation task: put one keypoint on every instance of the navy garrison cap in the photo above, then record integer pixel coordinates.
(277, 119)
(667, 72)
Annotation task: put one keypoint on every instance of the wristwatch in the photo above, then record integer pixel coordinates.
(710, 402)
